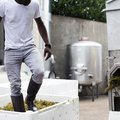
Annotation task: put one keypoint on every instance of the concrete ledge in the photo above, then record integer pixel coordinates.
(114, 115)
(66, 108)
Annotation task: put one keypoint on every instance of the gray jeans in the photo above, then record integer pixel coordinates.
(13, 60)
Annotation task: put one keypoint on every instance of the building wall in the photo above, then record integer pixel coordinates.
(67, 30)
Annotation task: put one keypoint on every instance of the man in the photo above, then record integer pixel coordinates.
(17, 16)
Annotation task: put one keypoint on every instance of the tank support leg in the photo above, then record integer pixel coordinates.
(93, 92)
(97, 91)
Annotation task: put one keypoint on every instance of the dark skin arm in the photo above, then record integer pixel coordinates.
(44, 35)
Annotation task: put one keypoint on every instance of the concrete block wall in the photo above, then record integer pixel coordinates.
(67, 30)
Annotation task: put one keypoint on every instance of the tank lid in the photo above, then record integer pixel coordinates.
(85, 43)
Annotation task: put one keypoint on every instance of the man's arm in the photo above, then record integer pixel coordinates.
(44, 35)
(42, 30)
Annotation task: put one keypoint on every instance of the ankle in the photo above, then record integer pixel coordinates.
(30, 104)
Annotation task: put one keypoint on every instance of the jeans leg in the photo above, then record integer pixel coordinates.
(14, 78)
(13, 66)
(34, 61)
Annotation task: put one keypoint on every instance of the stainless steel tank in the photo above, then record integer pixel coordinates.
(85, 62)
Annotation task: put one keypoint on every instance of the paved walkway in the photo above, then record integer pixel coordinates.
(97, 110)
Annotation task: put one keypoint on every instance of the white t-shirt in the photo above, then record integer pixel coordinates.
(18, 22)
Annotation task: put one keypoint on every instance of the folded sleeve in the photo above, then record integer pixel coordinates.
(2, 8)
(37, 10)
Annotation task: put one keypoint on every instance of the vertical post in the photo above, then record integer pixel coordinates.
(1, 44)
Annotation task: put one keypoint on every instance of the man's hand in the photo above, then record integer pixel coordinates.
(47, 52)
